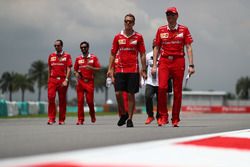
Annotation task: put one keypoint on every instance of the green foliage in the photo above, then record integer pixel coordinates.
(7, 82)
(38, 72)
(243, 88)
(23, 82)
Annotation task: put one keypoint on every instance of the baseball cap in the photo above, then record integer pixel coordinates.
(172, 10)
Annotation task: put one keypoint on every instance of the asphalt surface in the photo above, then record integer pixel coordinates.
(32, 136)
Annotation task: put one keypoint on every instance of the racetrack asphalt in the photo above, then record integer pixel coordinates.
(32, 136)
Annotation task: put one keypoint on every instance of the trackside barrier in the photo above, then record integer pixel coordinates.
(217, 109)
(14, 108)
(86, 109)
(3, 108)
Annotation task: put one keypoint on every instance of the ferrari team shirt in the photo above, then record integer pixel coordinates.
(81, 62)
(58, 64)
(126, 49)
(172, 42)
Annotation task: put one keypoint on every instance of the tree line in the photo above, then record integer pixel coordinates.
(38, 75)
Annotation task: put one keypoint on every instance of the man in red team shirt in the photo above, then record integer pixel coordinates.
(125, 48)
(59, 64)
(84, 68)
(170, 42)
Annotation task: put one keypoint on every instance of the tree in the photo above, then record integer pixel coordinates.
(38, 72)
(100, 81)
(7, 82)
(24, 83)
(243, 88)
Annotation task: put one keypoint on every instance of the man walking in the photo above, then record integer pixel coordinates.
(125, 48)
(152, 87)
(84, 68)
(59, 64)
(170, 42)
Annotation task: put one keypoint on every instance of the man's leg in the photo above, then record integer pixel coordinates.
(178, 74)
(62, 92)
(51, 101)
(124, 115)
(80, 103)
(149, 93)
(90, 102)
(162, 91)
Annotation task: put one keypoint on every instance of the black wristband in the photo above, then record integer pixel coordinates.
(191, 65)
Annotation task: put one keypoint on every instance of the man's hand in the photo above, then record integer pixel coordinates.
(65, 83)
(191, 70)
(144, 74)
(153, 70)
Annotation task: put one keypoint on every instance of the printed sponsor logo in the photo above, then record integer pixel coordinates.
(116, 60)
(53, 59)
(80, 61)
(180, 35)
(91, 61)
(121, 41)
(63, 59)
(133, 42)
(164, 35)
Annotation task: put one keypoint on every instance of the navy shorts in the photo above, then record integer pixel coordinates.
(127, 82)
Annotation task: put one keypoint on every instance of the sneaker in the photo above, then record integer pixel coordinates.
(175, 124)
(122, 119)
(61, 123)
(149, 120)
(50, 122)
(93, 119)
(130, 123)
(162, 121)
(79, 122)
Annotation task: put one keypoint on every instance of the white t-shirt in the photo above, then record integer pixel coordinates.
(149, 63)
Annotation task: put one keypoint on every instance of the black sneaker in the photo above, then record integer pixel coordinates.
(129, 123)
(122, 119)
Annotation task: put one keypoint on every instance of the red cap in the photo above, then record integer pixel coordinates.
(172, 10)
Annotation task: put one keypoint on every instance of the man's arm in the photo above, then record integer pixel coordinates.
(143, 65)
(189, 50)
(155, 56)
(110, 67)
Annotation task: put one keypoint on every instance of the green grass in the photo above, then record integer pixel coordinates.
(68, 114)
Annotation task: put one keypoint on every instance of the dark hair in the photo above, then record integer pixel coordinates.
(84, 42)
(130, 15)
(59, 40)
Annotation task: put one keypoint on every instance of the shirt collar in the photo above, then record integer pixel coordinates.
(175, 28)
(61, 53)
(122, 32)
(87, 56)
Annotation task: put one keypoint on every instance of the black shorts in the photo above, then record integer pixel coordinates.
(127, 82)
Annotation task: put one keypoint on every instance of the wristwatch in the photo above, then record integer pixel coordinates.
(191, 65)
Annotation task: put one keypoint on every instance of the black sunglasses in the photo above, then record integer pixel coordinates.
(83, 47)
(128, 21)
(57, 45)
(171, 14)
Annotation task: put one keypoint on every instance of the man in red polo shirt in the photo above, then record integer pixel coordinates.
(170, 42)
(59, 64)
(84, 68)
(125, 48)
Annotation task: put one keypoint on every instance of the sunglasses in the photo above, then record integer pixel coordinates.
(57, 45)
(171, 14)
(83, 47)
(128, 21)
